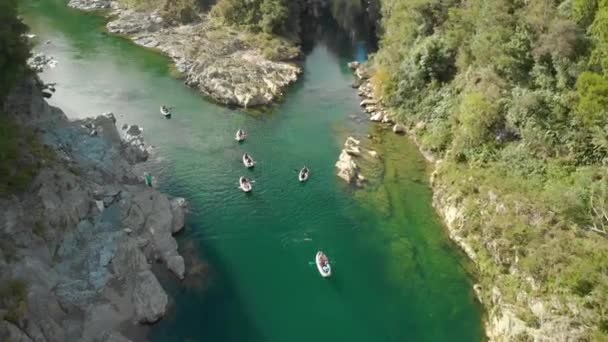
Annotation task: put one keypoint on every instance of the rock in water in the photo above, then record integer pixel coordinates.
(376, 117)
(347, 168)
(353, 65)
(89, 5)
(399, 129)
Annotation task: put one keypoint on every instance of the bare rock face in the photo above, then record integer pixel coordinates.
(347, 168)
(90, 5)
(10, 332)
(86, 236)
(149, 298)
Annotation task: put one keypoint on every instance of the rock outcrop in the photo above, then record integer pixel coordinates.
(370, 104)
(39, 61)
(86, 232)
(90, 5)
(347, 167)
(220, 62)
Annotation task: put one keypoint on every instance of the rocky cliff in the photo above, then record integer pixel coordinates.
(220, 62)
(83, 237)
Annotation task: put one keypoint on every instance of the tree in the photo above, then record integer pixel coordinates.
(14, 49)
(592, 90)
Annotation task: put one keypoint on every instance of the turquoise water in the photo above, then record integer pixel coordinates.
(396, 275)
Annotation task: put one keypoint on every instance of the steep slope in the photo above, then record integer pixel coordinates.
(78, 243)
(511, 95)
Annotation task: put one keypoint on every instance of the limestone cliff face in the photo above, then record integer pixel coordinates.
(86, 232)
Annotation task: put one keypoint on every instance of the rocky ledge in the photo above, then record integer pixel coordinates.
(85, 234)
(371, 105)
(220, 62)
(349, 163)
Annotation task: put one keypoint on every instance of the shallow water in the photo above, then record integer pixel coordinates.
(396, 275)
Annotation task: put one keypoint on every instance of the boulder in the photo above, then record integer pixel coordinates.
(149, 298)
(387, 119)
(176, 265)
(372, 109)
(368, 102)
(347, 168)
(178, 210)
(362, 72)
(399, 129)
(89, 5)
(376, 117)
(353, 65)
(40, 61)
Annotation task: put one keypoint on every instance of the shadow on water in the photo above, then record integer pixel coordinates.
(342, 26)
(213, 309)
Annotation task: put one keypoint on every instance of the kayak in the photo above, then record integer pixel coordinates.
(248, 161)
(303, 175)
(244, 184)
(323, 264)
(148, 179)
(165, 111)
(240, 135)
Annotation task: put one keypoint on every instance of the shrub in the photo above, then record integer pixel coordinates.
(14, 49)
(13, 298)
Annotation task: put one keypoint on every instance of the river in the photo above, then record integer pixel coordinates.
(397, 277)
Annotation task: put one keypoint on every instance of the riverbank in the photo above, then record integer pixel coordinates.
(517, 307)
(78, 243)
(224, 64)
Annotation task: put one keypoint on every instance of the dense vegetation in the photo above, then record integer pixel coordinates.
(21, 153)
(514, 95)
(14, 49)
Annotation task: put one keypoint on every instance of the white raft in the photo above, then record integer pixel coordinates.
(240, 135)
(166, 112)
(248, 161)
(245, 184)
(323, 264)
(303, 175)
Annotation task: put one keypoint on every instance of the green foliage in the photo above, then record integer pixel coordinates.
(21, 155)
(278, 17)
(477, 116)
(13, 299)
(592, 90)
(14, 49)
(180, 11)
(583, 11)
(515, 95)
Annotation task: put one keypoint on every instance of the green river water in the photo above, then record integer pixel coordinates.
(397, 277)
